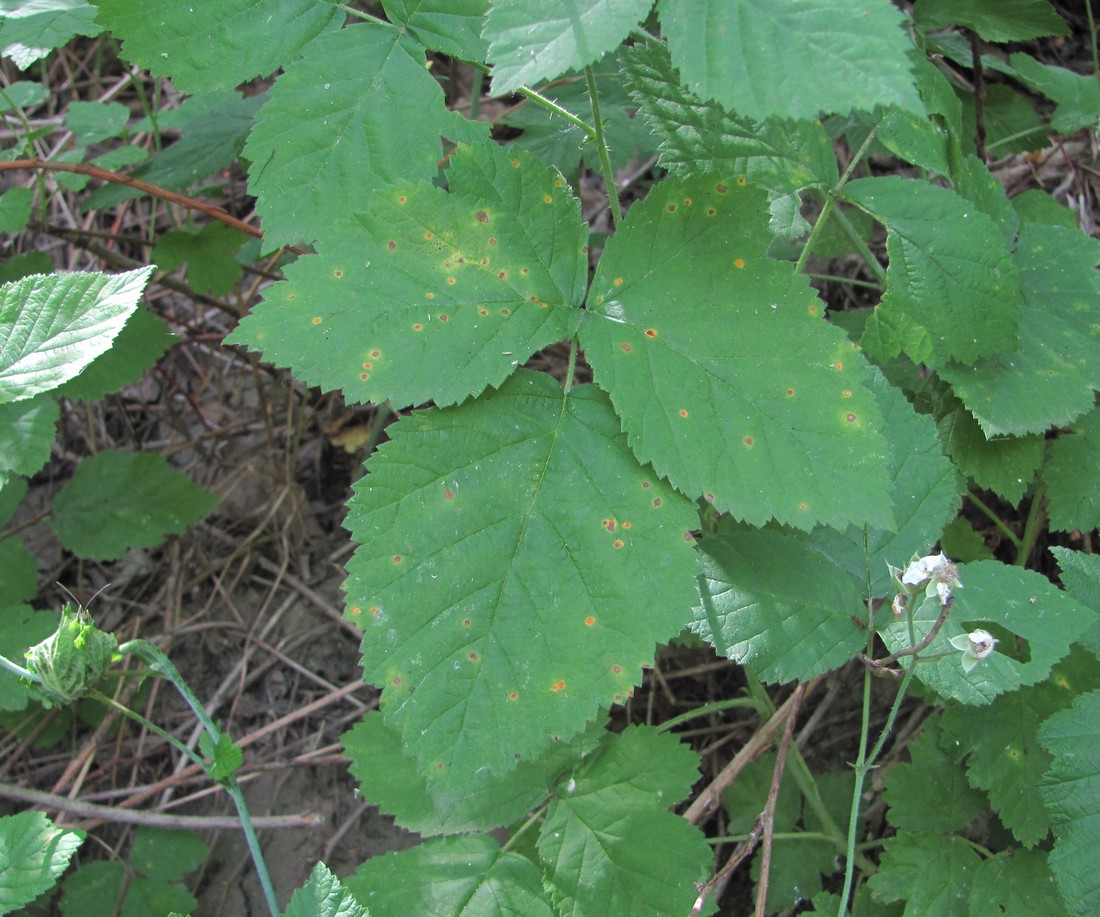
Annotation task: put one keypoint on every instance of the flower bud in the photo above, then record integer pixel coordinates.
(71, 660)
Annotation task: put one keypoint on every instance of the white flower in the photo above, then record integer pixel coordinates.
(975, 646)
(938, 572)
(921, 571)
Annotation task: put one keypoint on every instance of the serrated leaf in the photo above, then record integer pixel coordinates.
(23, 94)
(12, 492)
(359, 84)
(443, 877)
(210, 255)
(609, 843)
(1077, 95)
(213, 127)
(33, 853)
(118, 500)
(323, 895)
(167, 853)
(963, 542)
(928, 775)
(1044, 620)
(1072, 474)
(516, 567)
(388, 778)
(52, 327)
(771, 602)
(698, 136)
(930, 873)
(530, 43)
(94, 122)
(1071, 790)
(1005, 20)
(795, 59)
(1003, 755)
(142, 341)
(1080, 574)
(1015, 883)
(437, 295)
(219, 45)
(952, 290)
(451, 27)
(1050, 377)
(28, 434)
(224, 756)
(15, 209)
(18, 572)
(30, 31)
(722, 370)
(925, 495)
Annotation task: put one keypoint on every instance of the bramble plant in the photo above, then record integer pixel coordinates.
(759, 463)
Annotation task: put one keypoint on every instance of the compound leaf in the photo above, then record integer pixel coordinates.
(1073, 476)
(1071, 791)
(120, 500)
(450, 27)
(1034, 621)
(929, 872)
(516, 567)
(438, 294)
(1015, 883)
(794, 59)
(52, 327)
(215, 46)
(530, 43)
(29, 429)
(448, 876)
(1005, 20)
(366, 85)
(1049, 379)
(770, 601)
(609, 843)
(323, 895)
(30, 31)
(952, 291)
(724, 373)
(1080, 574)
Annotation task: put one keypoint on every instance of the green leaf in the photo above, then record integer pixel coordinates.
(437, 294)
(24, 265)
(1005, 20)
(23, 94)
(1015, 883)
(213, 127)
(925, 496)
(698, 136)
(388, 778)
(85, 891)
(33, 853)
(94, 122)
(609, 843)
(930, 774)
(722, 370)
(15, 209)
(530, 43)
(1080, 574)
(117, 500)
(1011, 123)
(52, 327)
(1071, 791)
(794, 59)
(516, 567)
(443, 877)
(952, 290)
(964, 543)
(1077, 95)
(451, 27)
(18, 572)
(359, 84)
(141, 342)
(929, 872)
(771, 602)
(167, 854)
(30, 31)
(1036, 206)
(323, 896)
(210, 254)
(224, 756)
(20, 627)
(28, 434)
(1073, 476)
(1051, 376)
(1003, 755)
(1044, 620)
(12, 492)
(216, 46)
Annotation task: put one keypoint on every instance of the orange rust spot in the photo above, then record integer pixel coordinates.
(513, 695)
(688, 202)
(501, 275)
(741, 182)
(838, 366)
(711, 211)
(645, 485)
(401, 199)
(444, 317)
(558, 686)
(627, 348)
(618, 281)
(337, 274)
(749, 441)
(363, 377)
(557, 182)
(515, 163)
(492, 240)
(484, 262)
(626, 524)
(812, 309)
(657, 501)
(532, 299)
(375, 610)
(418, 327)
(397, 558)
(790, 393)
(392, 245)
(429, 295)
(851, 418)
(448, 494)
(355, 610)
(317, 320)
(618, 542)
(803, 506)
(617, 669)
(688, 537)
(547, 199)
(481, 216)
(722, 189)
(609, 524)
(505, 311)
(618, 698)
(738, 262)
(474, 657)
(429, 235)
(368, 366)
(590, 620)
(376, 354)
(439, 765)
(683, 413)
(650, 333)
(451, 281)
(467, 622)
(483, 311)
(846, 393)
(397, 681)
(671, 208)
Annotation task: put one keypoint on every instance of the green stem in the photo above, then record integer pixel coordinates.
(17, 670)
(159, 662)
(1033, 527)
(601, 148)
(147, 724)
(995, 519)
(708, 709)
(1092, 39)
(567, 383)
(777, 836)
